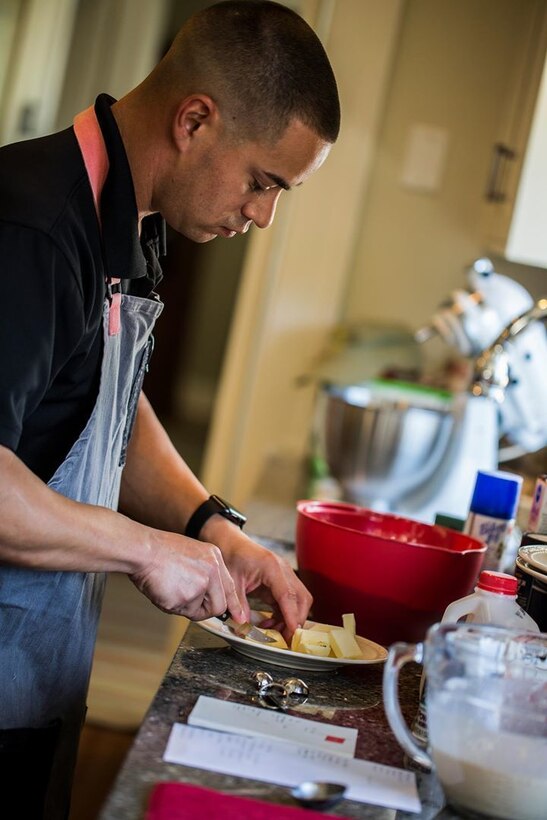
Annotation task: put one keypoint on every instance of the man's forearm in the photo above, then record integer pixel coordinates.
(41, 528)
(158, 488)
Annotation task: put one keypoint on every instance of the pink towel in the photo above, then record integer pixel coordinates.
(179, 801)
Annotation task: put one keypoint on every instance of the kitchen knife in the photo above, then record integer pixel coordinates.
(246, 630)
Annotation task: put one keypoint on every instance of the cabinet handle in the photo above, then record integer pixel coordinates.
(501, 155)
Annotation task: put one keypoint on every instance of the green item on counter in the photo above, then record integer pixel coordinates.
(450, 521)
(416, 388)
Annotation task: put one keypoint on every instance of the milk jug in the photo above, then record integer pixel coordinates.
(494, 601)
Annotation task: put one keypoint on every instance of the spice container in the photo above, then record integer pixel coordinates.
(537, 522)
(492, 513)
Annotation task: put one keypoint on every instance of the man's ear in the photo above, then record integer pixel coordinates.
(193, 114)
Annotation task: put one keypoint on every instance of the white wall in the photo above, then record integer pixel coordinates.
(37, 63)
(9, 18)
(115, 45)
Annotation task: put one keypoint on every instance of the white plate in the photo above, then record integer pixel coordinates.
(524, 566)
(536, 555)
(372, 652)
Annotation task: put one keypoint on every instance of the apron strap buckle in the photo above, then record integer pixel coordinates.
(114, 290)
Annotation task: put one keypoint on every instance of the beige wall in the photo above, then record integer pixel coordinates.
(453, 70)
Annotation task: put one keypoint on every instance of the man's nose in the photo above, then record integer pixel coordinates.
(261, 210)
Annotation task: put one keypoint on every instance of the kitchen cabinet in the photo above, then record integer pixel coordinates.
(515, 212)
(527, 237)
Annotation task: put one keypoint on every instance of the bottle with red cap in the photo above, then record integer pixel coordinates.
(494, 601)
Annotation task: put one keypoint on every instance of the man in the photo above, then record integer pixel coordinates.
(243, 106)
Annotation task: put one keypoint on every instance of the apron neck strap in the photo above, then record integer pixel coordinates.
(91, 141)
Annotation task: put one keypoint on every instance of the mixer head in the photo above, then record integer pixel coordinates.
(496, 323)
(472, 318)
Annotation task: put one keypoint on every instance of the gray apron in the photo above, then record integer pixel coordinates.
(48, 619)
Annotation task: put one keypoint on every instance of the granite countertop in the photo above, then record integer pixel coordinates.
(205, 665)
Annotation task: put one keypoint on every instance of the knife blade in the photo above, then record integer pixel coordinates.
(246, 630)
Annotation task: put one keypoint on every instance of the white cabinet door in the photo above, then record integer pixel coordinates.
(527, 239)
(515, 214)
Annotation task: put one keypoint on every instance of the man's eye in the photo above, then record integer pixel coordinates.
(255, 186)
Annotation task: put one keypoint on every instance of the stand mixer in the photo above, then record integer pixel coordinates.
(414, 450)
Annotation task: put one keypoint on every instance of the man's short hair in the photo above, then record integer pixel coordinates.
(263, 66)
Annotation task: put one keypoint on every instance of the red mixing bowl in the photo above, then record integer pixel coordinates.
(397, 575)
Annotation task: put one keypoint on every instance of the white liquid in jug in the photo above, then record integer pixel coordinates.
(481, 767)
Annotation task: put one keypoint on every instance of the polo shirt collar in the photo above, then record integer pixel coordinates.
(126, 255)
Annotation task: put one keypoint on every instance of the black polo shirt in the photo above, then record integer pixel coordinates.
(53, 264)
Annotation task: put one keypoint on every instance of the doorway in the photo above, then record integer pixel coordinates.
(199, 291)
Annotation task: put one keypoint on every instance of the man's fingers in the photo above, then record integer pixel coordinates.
(236, 602)
(191, 578)
(293, 601)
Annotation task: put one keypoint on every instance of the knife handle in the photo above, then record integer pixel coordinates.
(241, 630)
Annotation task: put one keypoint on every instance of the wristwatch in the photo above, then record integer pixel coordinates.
(213, 506)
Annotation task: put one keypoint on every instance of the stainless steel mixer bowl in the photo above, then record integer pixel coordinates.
(383, 441)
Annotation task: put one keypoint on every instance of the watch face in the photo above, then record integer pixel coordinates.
(229, 512)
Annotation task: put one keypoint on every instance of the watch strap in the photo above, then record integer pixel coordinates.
(214, 505)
